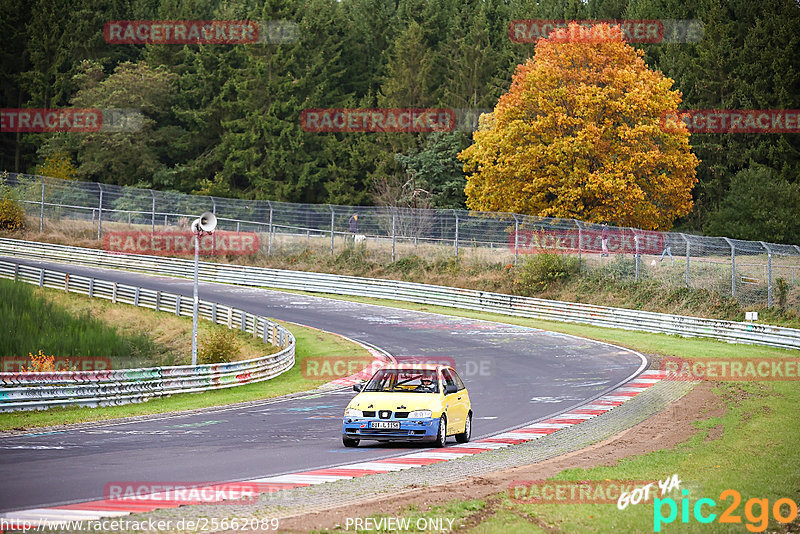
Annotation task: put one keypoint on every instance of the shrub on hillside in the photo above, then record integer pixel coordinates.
(12, 214)
(218, 346)
(541, 271)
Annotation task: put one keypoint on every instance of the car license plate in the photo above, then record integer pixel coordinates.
(385, 424)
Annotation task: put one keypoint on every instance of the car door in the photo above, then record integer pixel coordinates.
(464, 395)
(456, 407)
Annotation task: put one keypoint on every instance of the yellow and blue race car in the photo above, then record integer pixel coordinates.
(409, 402)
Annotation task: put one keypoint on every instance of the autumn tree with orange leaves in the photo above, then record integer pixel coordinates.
(578, 135)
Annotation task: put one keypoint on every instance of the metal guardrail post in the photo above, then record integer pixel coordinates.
(516, 238)
(41, 212)
(333, 215)
(733, 266)
(456, 237)
(269, 237)
(100, 213)
(687, 258)
(769, 274)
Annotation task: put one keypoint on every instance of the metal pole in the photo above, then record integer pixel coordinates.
(332, 220)
(195, 301)
(153, 213)
(456, 239)
(269, 241)
(100, 213)
(516, 238)
(394, 217)
(733, 266)
(580, 244)
(636, 246)
(41, 212)
(687, 259)
(769, 275)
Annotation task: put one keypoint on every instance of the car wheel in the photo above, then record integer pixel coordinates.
(441, 437)
(350, 442)
(464, 437)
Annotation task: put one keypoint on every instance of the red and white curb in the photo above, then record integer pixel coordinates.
(94, 510)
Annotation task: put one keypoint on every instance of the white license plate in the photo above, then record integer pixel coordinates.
(384, 424)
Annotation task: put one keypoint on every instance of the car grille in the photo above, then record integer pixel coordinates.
(369, 413)
(401, 415)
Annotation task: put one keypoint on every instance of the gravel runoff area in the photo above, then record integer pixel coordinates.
(317, 498)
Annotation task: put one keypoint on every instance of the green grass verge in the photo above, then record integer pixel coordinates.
(24, 311)
(310, 343)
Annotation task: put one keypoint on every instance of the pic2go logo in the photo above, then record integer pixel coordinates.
(758, 521)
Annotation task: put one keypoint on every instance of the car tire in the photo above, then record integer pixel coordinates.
(441, 437)
(347, 442)
(464, 436)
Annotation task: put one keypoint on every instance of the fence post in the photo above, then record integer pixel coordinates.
(333, 215)
(394, 219)
(733, 266)
(580, 244)
(269, 239)
(214, 234)
(41, 212)
(153, 214)
(455, 242)
(100, 213)
(769, 275)
(636, 252)
(687, 259)
(516, 238)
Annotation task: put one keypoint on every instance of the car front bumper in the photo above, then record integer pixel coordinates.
(425, 429)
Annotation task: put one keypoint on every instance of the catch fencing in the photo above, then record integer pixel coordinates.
(42, 390)
(756, 273)
(485, 301)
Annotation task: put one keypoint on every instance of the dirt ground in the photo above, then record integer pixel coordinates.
(664, 430)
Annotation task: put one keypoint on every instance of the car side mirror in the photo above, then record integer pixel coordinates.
(450, 388)
(357, 387)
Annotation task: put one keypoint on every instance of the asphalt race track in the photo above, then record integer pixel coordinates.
(515, 375)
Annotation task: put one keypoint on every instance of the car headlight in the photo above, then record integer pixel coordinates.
(352, 412)
(420, 414)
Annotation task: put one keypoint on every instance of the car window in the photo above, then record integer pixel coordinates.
(404, 381)
(448, 378)
(459, 383)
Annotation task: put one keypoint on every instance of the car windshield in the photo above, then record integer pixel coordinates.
(404, 381)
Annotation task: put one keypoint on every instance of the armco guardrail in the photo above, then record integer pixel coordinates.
(31, 390)
(735, 332)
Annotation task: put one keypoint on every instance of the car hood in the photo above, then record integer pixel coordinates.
(394, 401)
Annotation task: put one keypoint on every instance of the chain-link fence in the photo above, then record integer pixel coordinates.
(755, 273)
